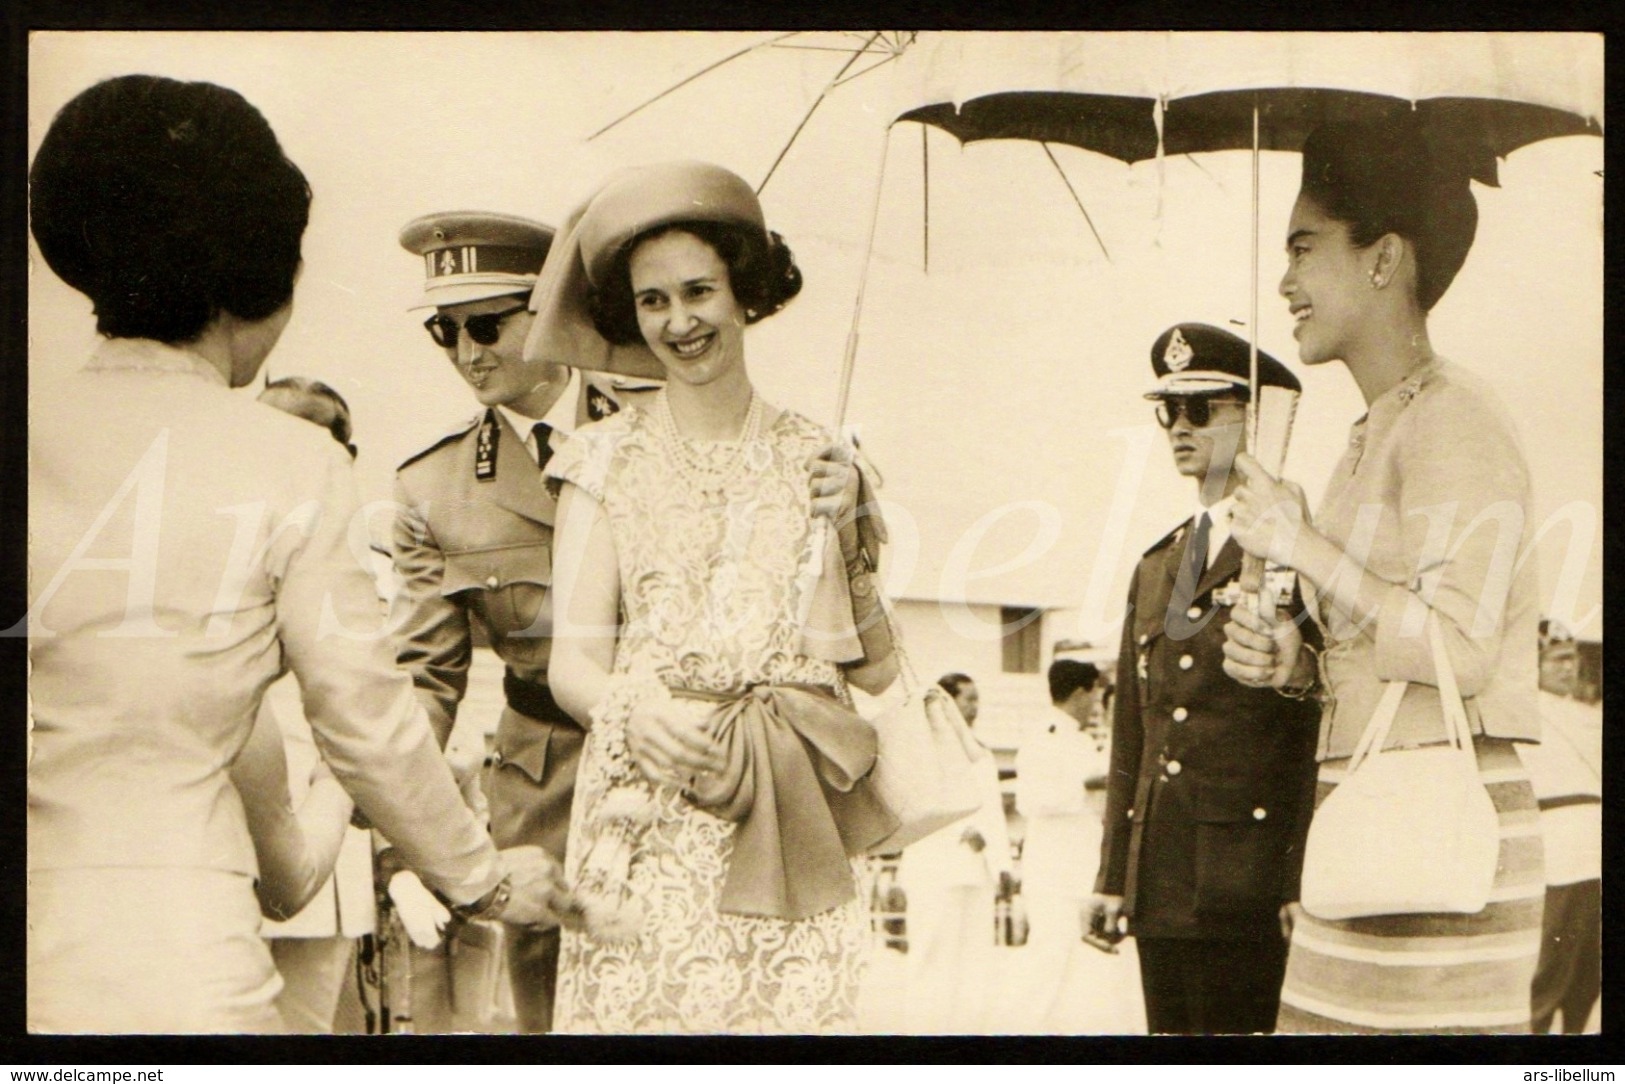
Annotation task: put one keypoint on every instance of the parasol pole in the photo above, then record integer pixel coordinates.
(1252, 319)
(1252, 568)
(813, 558)
(849, 360)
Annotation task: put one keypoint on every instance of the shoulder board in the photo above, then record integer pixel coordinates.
(1172, 536)
(461, 431)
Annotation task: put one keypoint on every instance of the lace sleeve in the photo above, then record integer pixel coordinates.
(586, 456)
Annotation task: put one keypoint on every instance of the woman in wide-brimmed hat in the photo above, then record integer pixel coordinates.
(1422, 524)
(720, 799)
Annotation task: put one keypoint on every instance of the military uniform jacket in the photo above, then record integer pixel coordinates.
(1212, 782)
(472, 552)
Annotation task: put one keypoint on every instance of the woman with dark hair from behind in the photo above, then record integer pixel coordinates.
(172, 207)
(1382, 224)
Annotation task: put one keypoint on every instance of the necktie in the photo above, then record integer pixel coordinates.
(1196, 551)
(544, 451)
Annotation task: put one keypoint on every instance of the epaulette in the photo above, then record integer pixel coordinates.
(1172, 536)
(458, 433)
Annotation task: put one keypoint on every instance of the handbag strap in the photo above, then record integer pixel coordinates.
(1456, 729)
(915, 689)
(910, 677)
(1382, 720)
(1455, 711)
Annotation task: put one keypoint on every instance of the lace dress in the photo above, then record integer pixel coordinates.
(707, 571)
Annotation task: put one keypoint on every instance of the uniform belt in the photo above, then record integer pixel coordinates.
(534, 699)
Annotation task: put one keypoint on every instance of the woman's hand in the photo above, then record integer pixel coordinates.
(835, 483)
(1259, 652)
(1268, 515)
(668, 746)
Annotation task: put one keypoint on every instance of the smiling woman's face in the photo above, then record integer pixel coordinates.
(1327, 283)
(686, 307)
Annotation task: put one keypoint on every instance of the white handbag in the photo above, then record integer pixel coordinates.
(929, 768)
(1408, 831)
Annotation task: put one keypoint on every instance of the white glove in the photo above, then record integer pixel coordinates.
(423, 916)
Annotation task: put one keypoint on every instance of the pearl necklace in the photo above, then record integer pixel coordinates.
(704, 472)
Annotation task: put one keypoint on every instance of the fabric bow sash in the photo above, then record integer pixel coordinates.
(796, 784)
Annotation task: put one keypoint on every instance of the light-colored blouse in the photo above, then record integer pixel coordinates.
(1433, 496)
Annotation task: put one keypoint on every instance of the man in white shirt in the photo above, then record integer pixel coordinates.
(951, 878)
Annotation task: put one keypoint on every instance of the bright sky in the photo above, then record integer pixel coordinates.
(1000, 394)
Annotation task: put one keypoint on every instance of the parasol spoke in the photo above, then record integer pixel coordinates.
(877, 64)
(851, 60)
(829, 49)
(1075, 199)
(708, 69)
(1208, 173)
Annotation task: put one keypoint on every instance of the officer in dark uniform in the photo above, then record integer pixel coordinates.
(1211, 782)
(474, 537)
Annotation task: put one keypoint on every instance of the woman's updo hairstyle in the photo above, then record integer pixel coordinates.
(761, 271)
(1380, 177)
(167, 203)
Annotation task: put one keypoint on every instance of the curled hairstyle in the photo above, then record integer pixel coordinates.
(762, 273)
(167, 203)
(1387, 177)
(1067, 676)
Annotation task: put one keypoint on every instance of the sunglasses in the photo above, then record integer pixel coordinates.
(485, 329)
(1198, 410)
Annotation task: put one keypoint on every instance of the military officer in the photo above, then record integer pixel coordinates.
(473, 541)
(1211, 782)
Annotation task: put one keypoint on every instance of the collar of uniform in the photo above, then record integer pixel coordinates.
(561, 416)
(149, 355)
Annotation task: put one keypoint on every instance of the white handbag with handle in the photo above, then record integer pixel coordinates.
(1408, 831)
(929, 767)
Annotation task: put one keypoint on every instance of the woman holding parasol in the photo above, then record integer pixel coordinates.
(1421, 525)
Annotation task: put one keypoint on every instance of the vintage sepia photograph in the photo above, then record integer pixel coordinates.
(814, 533)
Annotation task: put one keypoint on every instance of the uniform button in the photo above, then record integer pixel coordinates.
(496, 757)
(1260, 813)
(1180, 715)
(1194, 612)
(1173, 768)
(1129, 814)
(491, 582)
(1186, 662)
(1143, 639)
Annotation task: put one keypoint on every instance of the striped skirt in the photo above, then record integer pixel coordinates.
(1440, 973)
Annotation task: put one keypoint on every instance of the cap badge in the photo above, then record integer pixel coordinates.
(448, 262)
(1178, 355)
